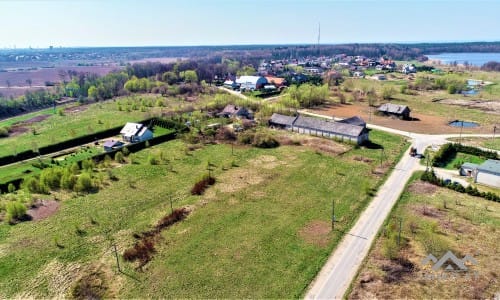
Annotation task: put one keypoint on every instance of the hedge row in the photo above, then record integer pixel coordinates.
(89, 138)
(449, 150)
(431, 177)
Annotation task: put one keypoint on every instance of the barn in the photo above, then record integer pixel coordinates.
(400, 111)
(251, 82)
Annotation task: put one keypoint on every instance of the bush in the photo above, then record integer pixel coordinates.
(262, 140)
(15, 211)
(141, 251)
(200, 186)
(119, 157)
(4, 132)
(84, 183)
(246, 138)
(152, 160)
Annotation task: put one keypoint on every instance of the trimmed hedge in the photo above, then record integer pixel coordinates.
(431, 177)
(449, 150)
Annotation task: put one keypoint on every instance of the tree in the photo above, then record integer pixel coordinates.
(247, 70)
(169, 77)
(388, 92)
(84, 183)
(93, 92)
(8, 83)
(29, 82)
(190, 76)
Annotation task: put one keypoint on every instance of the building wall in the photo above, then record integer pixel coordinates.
(354, 139)
(488, 179)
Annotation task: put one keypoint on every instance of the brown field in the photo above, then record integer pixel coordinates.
(163, 60)
(423, 124)
(38, 77)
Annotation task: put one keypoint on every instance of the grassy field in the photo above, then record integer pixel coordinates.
(434, 220)
(480, 142)
(81, 120)
(262, 230)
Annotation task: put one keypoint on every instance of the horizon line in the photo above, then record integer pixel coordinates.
(250, 44)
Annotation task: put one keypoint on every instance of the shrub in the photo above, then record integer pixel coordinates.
(15, 211)
(4, 132)
(200, 186)
(125, 151)
(11, 188)
(152, 160)
(262, 140)
(246, 138)
(141, 251)
(84, 183)
(119, 157)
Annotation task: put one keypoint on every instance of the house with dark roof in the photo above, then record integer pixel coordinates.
(281, 121)
(136, 132)
(318, 127)
(233, 111)
(487, 173)
(400, 111)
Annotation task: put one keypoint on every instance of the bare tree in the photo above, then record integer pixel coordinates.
(29, 82)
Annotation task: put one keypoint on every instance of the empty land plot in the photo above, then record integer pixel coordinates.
(434, 221)
(260, 231)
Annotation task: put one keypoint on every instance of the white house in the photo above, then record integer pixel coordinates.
(251, 82)
(135, 132)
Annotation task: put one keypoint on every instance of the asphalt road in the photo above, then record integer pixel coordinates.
(336, 275)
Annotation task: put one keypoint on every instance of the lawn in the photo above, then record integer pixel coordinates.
(434, 220)
(480, 142)
(262, 231)
(82, 120)
(461, 158)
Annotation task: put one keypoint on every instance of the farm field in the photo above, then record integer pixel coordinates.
(265, 222)
(434, 220)
(75, 121)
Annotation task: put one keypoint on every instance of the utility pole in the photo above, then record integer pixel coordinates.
(399, 235)
(117, 259)
(333, 214)
(461, 128)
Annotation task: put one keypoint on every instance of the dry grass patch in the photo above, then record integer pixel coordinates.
(316, 233)
(422, 187)
(43, 209)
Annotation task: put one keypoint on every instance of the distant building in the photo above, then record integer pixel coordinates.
(231, 85)
(276, 81)
(313, 126)
(400, 111)
(136, 132)
(233, 111)
(251, 82)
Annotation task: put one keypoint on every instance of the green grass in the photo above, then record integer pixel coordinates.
(435, 222)
(91, 118)
(462, 158)
(10, 121)
(480, 142)
(241, 240)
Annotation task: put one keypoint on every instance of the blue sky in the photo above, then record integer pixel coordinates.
(41, 23)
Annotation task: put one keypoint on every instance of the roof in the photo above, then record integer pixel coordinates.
(490, 166)
(131, 129)
(249, 79)
(393, 108)
(331, 127)
(356, 120)
(282, 120)
(275, 80)
(110, 144)
(231, 109)
(468, 165)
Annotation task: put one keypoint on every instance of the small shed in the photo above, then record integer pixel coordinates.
(468, 169)
(400, 111)
(112, 145)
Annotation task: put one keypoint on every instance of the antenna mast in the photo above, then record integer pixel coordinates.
(319, 35)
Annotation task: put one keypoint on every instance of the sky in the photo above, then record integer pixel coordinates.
(73, 23)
